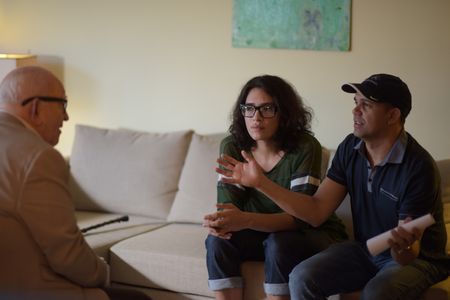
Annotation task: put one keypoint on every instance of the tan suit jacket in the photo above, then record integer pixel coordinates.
(43, 254)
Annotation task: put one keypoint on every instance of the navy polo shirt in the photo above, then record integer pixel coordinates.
(405, 184)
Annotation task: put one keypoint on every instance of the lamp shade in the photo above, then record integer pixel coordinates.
(9, 62)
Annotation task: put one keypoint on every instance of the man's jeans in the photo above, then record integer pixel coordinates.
(348, 267)
(280, 251)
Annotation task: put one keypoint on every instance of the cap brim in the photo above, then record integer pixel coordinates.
(351, 88)
(356, 88)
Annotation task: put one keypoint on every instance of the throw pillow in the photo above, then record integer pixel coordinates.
(444, 170)
(126, 171)
(197, 194)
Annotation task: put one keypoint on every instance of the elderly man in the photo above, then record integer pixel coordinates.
(43, 254)
(391, 179)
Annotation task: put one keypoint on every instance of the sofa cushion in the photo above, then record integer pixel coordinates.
(125, 171)
(326, 154)
(172, 258)
(162, 294)
(102, 238)
(196, 194)
(444, 170)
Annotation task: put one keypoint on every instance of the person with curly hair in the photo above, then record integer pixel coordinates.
(270, 122)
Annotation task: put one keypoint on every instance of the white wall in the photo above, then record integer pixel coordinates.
(164, 65)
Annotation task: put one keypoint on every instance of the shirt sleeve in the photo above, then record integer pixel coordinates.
(306, 174)
(421, 190)
(306, 178)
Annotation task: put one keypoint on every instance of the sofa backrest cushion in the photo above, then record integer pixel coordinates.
(196, 194)
(444, 170)
(125, 171)
(325, 161)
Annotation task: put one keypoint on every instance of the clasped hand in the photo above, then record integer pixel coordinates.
(223, 222)
(229, 218)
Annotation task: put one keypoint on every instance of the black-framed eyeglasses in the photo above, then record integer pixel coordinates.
(268, 110)
(46, 99)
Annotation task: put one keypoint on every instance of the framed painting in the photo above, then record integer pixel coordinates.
(292, 24)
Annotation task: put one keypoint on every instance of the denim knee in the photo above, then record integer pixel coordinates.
(302, 284)
(394, 281)
(214, 244)
(280, 257)
(378, 288)
(222, 258)
(275, 246)
(279, 261)
(286, 249)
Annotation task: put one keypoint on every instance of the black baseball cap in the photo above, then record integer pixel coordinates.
(383, 88)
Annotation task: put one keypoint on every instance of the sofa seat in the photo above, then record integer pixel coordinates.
(170, 258)
(101, 239)
(162, 294)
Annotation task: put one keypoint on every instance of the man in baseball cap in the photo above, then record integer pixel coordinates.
(384, 88)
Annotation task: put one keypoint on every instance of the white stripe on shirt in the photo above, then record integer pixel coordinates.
(305, 180)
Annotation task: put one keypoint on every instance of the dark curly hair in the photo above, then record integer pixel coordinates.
(294, 119)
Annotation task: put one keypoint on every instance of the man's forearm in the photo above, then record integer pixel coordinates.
(300, 205)
(270, 222)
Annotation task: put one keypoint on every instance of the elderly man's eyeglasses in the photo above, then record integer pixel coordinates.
(268, 110)
(46, 99)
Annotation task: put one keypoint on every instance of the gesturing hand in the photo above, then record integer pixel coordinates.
(235, 172)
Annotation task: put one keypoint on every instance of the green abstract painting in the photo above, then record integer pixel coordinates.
(292, 24)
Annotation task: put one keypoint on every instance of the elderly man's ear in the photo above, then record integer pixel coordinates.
(34, 113)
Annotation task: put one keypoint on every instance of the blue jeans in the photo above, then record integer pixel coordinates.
(280, 251)
(348, 267)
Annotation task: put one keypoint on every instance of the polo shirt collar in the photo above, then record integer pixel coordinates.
(395, 155)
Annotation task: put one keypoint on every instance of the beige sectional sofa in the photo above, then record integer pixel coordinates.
(165, 183)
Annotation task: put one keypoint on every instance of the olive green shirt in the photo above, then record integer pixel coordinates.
(298, 170)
